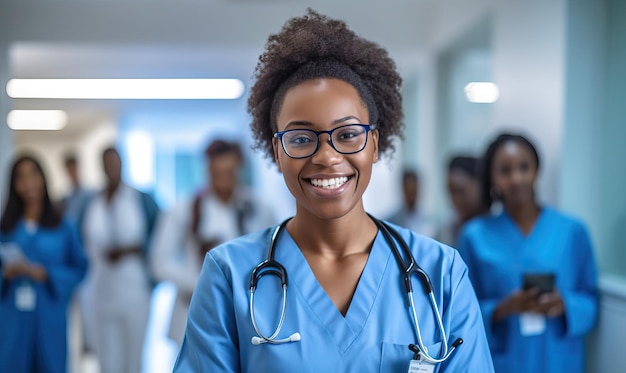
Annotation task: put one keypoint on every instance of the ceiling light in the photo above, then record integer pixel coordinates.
(121, 89)
(40, 120)
(482, 92)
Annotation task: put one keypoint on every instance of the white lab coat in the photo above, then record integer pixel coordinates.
(120, 291)
(175, 254)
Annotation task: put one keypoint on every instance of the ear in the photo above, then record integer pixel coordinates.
(276, 148)
(375, 142)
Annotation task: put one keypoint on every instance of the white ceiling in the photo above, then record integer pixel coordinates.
(174, 39)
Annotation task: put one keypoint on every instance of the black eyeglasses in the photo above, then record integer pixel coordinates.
(303, 143)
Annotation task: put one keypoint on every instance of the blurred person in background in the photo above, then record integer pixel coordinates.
(226, 209)
(74, 203)
(410, 214)
(41, 262)
(530, 327)
(464, 189)
(117, 229)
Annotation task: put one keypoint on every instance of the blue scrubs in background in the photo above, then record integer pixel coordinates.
(373, 336)
(498, 254)
(35, 340)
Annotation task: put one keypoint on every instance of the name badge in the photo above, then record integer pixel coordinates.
(421, 366)
(25, 298)
(532, 324)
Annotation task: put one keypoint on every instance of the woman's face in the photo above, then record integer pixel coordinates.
(514, 173)
(112, 167)
(465, 194)
(28, 183)
(322, 105)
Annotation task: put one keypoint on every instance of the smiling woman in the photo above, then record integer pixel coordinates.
(325, 105)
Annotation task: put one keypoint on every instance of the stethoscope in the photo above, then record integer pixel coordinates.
(271, 267)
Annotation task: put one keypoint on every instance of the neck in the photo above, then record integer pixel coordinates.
(524, 214)
(111, 189)
(32, 211)
(334, 238)
(224, 196)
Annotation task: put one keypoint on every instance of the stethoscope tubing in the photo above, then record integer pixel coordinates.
(271, 267)
(391, 235)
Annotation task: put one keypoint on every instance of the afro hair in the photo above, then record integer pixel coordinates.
(315, 39)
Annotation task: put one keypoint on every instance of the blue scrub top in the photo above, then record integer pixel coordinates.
(35, 340)
(498, 254)
(374, 334)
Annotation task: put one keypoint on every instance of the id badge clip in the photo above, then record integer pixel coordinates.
(418, 363)
(25, 297)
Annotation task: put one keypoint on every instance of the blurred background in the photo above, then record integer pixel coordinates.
(558, 67)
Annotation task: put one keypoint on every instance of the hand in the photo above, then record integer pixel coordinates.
(14, 270)
(516, 303)
(37, 272)
(114, 254)
(549, 304)
(34, 271)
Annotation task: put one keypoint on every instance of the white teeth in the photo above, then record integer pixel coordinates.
(329, 183)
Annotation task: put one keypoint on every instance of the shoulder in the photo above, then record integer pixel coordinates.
(480, 225)
(243, 252)
(564, 222)
(562, 218)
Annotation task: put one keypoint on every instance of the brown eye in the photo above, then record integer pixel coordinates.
(504, 170)
(525, 166)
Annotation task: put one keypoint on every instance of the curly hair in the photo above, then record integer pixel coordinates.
(316, 46)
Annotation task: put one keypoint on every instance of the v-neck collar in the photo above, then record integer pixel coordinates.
(344, 330)
(516, 228)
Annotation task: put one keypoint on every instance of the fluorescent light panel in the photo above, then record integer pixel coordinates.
(122, 89)
(46, 120)
(482, 92)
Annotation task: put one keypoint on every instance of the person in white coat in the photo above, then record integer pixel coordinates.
(117, 227)
(223, 211)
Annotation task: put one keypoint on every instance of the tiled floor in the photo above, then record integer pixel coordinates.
(159, 351)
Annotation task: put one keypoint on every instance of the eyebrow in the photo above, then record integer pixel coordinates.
(309, 124)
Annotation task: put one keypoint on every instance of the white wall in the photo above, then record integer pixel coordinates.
(528, 49)
(581, 174)
(613, 181)
(524, 56)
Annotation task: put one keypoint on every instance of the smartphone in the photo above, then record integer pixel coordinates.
(542, 281)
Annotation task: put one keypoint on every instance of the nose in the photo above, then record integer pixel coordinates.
(517, 176)
(326, 154)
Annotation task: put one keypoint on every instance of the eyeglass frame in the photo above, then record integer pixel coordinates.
(368, 127)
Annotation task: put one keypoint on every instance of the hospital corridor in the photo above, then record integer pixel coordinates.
(280, 185)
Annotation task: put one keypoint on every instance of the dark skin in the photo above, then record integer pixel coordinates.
(410, 188)
(29, 185)
(113, 171)
(464, 192)
(224, 173)
(330, 226)
(514, 175)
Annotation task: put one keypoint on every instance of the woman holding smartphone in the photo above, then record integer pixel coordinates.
(41, 263)
(529, 327)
